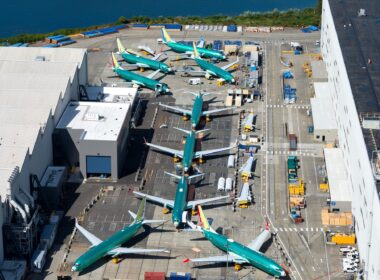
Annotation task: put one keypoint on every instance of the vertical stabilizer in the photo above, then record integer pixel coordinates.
(165, 36)
(115, 64)
(120, 46)
(196, 53)
(202, 219)
(141, 212)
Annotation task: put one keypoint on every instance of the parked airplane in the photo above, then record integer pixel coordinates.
(143, 62)
(236, 252)
(138, 80)
(196, 113)
(245, 197)
(248, 122)
(188, 50)
(246, 169)
(211, 70)
(146, 49)
(189, 154)
(180, 205)
(112, 245)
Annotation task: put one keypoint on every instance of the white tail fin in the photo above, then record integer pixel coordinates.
(120, 46)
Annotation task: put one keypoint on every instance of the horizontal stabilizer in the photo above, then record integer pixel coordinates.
(124, 250)
(192, 204)
(153, 221)
(165, 202)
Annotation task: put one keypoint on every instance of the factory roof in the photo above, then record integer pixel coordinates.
(33, 83)
(98, 120)
(359, 39)
(321, 105)
(111, 94)
(319, 71)
(339, 185)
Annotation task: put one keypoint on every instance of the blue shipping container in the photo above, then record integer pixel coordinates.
(313, 28)
(122, 26)
(51, 46)
(55, 37)
(173, 26)
(67, 42)
(140, 25)
(175, 276)
(232, 28)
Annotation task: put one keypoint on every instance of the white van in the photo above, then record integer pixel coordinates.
(195, 81)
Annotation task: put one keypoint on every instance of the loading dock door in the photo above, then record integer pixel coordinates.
(98, 166)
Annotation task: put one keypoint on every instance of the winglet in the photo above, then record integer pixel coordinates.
(267, 226)
(115, 64)
(120, 46)
(165, 36)
(202, 219)
(141, 212)
(196, 54)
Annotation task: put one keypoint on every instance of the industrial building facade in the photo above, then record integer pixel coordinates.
(36, 85)
(93, 136)
(350, 40)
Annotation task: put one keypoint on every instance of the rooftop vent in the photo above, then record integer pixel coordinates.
(375, 162)
(362, 13)
(371, 122)
(93, 117)
(40, 58)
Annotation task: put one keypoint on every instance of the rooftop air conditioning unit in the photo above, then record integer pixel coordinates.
(371, 122)
(362, 13)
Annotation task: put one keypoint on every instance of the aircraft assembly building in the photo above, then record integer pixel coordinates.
(349, 44)
(35, 87)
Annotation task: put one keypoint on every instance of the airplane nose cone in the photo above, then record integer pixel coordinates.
(74, 268)
(232, 80)
(283, 273)
(176, 223)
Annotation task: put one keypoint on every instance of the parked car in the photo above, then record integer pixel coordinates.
(349, 270)
(347, 249)
(355, 260)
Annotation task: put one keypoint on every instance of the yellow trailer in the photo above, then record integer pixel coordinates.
(343, 239)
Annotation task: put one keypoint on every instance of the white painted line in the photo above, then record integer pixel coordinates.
(290, 229)
(322, 229)
(301, 229)
(295, 229)
(302, 269)
(306, 229)
(313, 268)
(280, 229)
(312, 229)
(286, 229)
